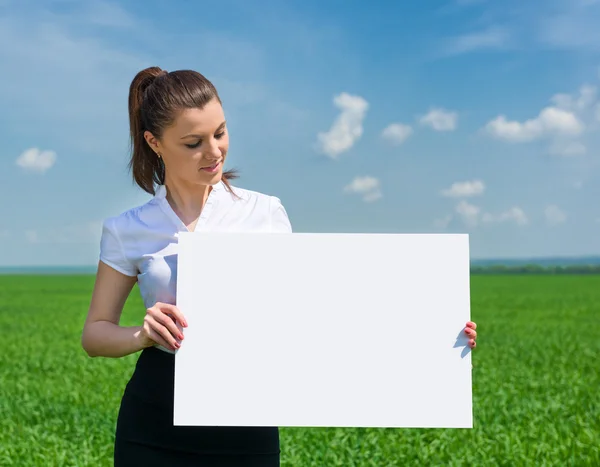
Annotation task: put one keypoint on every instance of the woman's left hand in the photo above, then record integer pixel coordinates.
(471, 333)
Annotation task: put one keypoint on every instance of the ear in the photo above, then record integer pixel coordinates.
(152, 141)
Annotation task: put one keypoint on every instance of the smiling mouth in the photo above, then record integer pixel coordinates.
(211, 168)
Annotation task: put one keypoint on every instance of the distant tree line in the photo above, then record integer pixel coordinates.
(536, 269)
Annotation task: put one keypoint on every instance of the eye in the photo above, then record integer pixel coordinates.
(192, 146)
(220, 135)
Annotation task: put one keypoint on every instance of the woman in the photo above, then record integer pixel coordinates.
(179, 145)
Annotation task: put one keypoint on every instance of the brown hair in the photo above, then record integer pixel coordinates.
(155, 97)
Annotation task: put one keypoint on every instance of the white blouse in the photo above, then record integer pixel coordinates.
(143, 240)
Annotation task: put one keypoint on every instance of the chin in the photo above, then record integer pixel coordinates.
(211, 179)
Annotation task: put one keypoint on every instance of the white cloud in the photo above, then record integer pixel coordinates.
(587, 97)
(35, 160)
(550, 121)
(491, 38)
(372, 196)
(397, 133)
(515, 214)
(440, 120)
(567, 148)
(363, 184)
(469, 213)
(473, 215)
(568, 24)
(564, 25)
(565, 124)
(347, 127)
(367, 186)
(554, 215)
(464, 189)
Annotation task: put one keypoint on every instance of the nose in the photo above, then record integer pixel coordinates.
(212, 152)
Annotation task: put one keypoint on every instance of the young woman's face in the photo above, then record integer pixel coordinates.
(194, 148)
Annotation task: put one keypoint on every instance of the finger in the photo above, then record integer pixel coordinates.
(163, 332)
(471, 324)
(472, 343)
(166, 321)
(173, 311)
(156, 337)
(471, 333)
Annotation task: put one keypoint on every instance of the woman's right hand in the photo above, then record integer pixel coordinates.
(160, 326)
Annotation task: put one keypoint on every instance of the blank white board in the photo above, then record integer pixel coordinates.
(323, 330)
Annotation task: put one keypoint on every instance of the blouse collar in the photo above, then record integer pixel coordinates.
(211, 201)
(161, 190)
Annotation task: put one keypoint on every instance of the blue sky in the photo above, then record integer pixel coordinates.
(440, 116)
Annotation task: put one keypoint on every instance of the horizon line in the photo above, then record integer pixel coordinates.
(544, 258)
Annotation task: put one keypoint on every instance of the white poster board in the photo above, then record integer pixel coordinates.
(324, 330)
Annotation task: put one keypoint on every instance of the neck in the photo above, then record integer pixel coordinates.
(187, 200)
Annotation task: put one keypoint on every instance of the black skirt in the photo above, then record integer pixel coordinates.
(145, 434)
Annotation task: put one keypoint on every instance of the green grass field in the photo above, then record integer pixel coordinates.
(536, 382)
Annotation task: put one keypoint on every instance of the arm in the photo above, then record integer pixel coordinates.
(102, 336)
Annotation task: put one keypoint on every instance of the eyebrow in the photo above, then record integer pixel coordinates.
(221, 126)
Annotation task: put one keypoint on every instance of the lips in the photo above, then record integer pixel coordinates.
(211, 168)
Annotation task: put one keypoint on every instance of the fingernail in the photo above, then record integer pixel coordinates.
(177, 344)
(180, 336)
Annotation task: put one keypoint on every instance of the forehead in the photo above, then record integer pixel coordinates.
(205, 120)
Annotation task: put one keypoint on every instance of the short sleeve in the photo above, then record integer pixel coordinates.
(111, 249)
(280, 221)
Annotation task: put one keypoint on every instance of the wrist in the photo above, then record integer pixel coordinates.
(140, 339)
